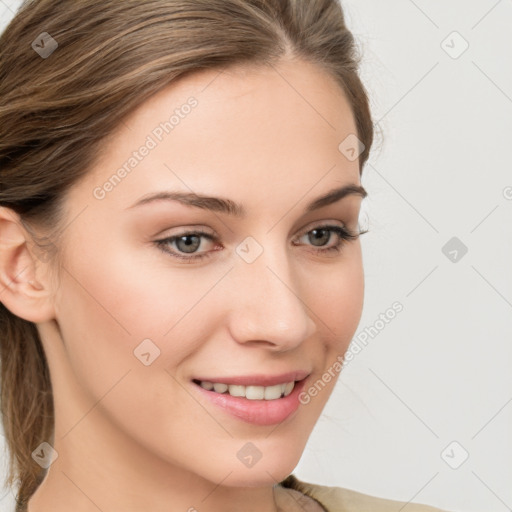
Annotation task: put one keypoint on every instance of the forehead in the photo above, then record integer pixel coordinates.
(244, 129)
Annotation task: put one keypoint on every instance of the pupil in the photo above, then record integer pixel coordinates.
(316, 237)
(188, 244)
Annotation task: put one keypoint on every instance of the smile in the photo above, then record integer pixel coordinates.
(260, 400)
(250, 392)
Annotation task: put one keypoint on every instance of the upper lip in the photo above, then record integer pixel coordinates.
(258, 380)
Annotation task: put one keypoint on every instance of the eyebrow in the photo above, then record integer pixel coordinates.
(229, 207)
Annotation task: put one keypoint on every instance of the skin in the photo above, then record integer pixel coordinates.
(134, 437)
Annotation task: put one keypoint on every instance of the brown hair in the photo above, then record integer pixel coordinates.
(56, 111)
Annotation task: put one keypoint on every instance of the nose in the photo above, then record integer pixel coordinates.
(266, 307)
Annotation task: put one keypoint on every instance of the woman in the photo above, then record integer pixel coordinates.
(180, 190)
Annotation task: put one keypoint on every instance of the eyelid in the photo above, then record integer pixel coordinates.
(321, 223)
(185, 229)
(199, 229)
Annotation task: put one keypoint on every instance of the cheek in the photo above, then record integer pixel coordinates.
(337, 296)
(131, 288)
(108, 304)
(337, 307)
(104, 313)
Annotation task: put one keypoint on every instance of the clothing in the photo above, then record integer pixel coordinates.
(337, 499)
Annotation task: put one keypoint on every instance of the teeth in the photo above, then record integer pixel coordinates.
(255, 392)
(288, 388)
(235, 390)
(273, 392)
(220, 388)
(250, 392)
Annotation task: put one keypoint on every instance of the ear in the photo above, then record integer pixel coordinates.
(22, 291)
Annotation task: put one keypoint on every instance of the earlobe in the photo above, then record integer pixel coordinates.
(21, 291)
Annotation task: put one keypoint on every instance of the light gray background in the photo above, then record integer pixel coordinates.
(440, 370)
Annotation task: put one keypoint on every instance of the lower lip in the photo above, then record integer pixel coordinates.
(257, 412)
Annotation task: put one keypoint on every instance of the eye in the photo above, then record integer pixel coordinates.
(323, 234)
(187, 243)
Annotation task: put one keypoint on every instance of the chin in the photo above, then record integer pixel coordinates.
(268, 470)
(263, 477)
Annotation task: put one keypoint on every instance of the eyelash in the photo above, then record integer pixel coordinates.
(344, 236)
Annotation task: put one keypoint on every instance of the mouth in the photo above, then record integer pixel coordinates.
(260, 400)
(252, 392)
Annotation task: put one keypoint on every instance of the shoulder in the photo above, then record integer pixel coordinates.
(337, 499)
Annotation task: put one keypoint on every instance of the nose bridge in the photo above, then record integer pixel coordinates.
(266, 305)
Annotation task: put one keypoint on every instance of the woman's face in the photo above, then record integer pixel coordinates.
(263, 299)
